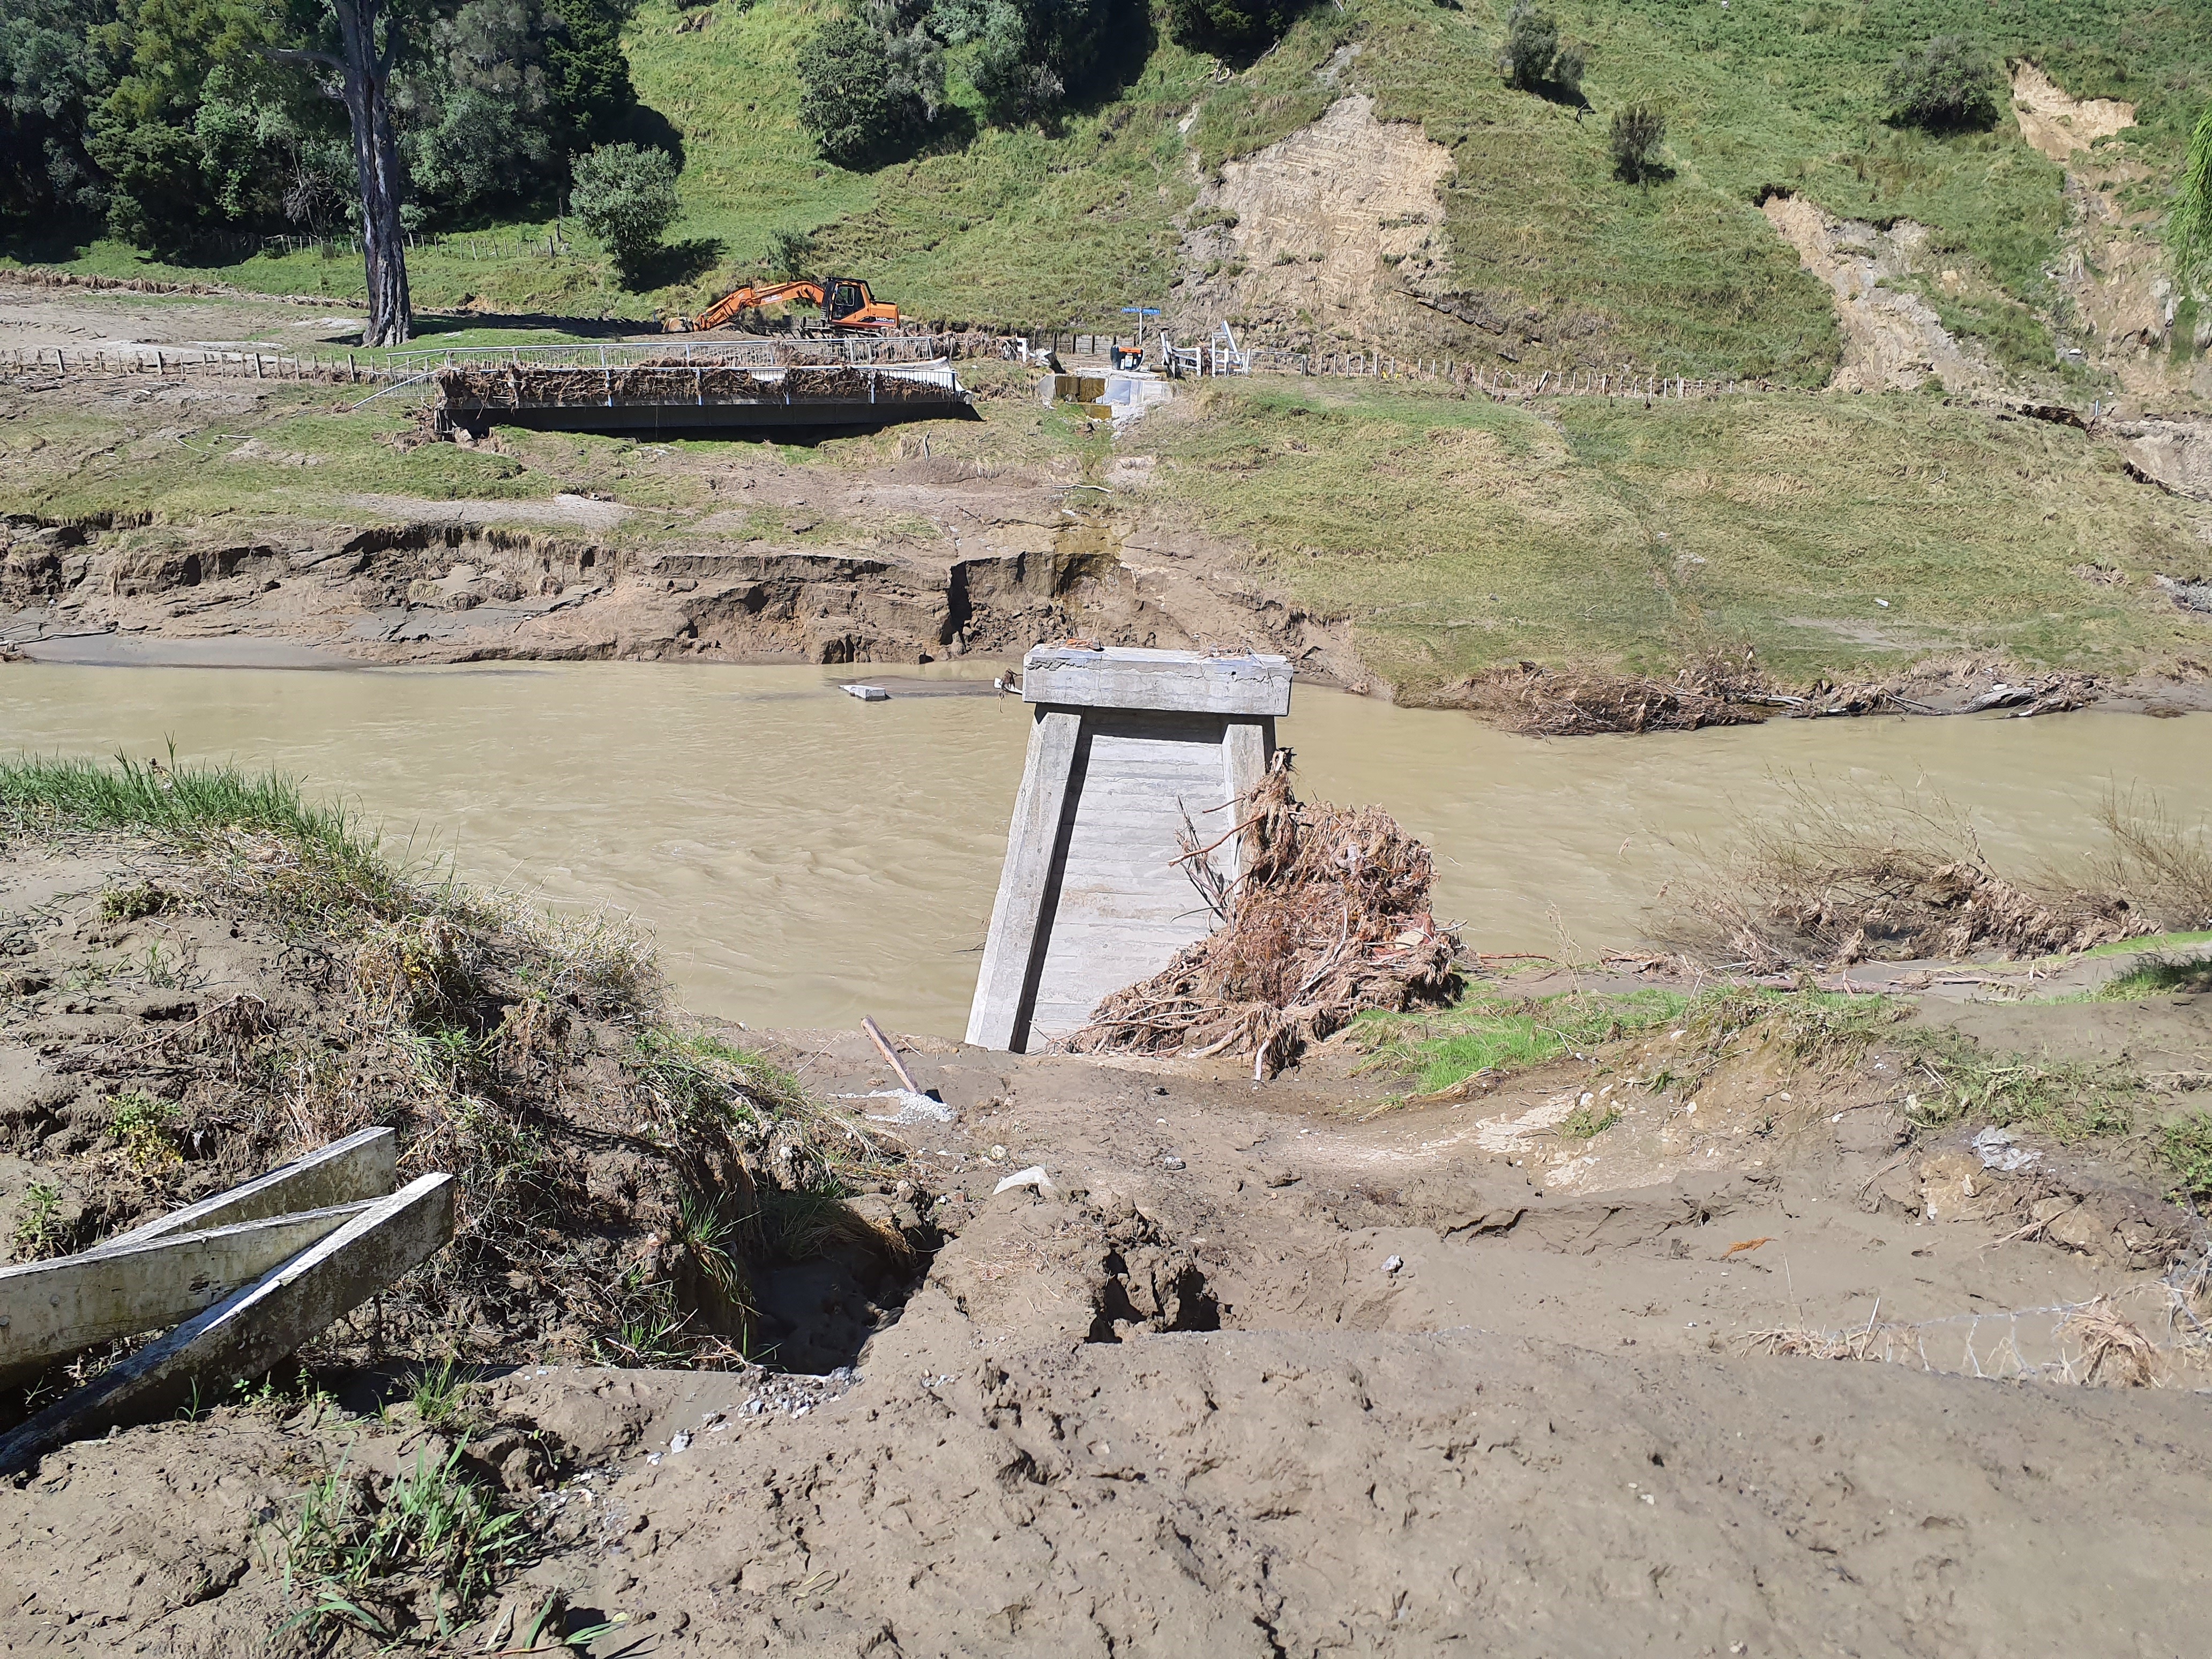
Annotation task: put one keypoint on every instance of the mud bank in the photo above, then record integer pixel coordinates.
(455, 588)
(1272, 1370)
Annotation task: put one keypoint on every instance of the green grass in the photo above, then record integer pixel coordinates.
(334, 867)
(1455, 533)
(2186, 1146)
(2154, 977)
(1490, 1031)
(350, 1549)
(1071, 224)
(1494, 1031)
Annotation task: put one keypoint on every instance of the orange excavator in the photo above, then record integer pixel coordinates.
(847, 306)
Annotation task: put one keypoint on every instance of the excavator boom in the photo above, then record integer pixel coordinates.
(845, 301)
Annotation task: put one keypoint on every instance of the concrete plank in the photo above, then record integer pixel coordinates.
(1123, 677)
(249, 1331)
(50, 1309)
(1002, 984)
(365, 1165)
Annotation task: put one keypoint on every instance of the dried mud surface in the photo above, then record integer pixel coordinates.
(1262, 1369)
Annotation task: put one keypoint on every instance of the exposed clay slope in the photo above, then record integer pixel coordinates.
(1304, 242)
(1894, 341)
(2057, 124)
(448, 586)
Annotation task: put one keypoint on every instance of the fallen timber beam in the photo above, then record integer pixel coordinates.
(363, 1165)
(50, 1309)
(249, 1331)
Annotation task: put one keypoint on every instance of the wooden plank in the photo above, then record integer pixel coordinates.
(249, 1331)
(1183, 681)
(1009, 953)
(50, 1308)
(365, 1165)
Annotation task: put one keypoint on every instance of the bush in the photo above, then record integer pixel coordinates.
(868, 88)
(1638, 131)
(790, 254)
(1950, 82)
(1230, 25)
(1533, 58)
(626, 197)
(1029, 54)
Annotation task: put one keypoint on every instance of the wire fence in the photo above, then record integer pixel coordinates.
(191, 362)
(1212, 358)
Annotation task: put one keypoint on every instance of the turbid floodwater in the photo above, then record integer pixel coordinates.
(803, 857)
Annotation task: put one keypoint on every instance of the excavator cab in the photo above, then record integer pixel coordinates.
(843, 297)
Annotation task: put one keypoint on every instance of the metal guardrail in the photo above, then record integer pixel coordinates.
(748, 352)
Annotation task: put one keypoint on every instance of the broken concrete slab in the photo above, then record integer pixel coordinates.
(252, 1329)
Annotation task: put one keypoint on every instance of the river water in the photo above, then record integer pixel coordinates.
(803, 857)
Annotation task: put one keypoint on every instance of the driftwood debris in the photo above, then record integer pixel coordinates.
(1329, 916)
(518, 386)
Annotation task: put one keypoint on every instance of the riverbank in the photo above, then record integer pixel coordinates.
(1512, 1363)
(1388, 538)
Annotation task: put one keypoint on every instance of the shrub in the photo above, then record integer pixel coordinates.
(1638, 131)
(1950, 82)
(1230, 25)
(1533, 58)
(868, 87)
(790, 254)
(626, 197)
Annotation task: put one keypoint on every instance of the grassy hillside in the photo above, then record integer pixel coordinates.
(1068, 226)
(1458, 533)
(1453, 532)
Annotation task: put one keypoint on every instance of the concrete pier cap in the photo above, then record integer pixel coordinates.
(1132, 754)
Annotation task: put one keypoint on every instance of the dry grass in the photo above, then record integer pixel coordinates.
(1841, 878)
(2108, 1337)
(1715, 689)
(1331, 918)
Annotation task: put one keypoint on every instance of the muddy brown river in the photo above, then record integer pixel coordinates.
(803, 857)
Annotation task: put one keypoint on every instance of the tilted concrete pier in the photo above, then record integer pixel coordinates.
(1126, 746)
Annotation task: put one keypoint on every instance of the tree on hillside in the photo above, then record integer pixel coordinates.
(2188, 228)
(1534, 58)
(1949, 83)
(870, 85)
(1638, 131)
(586, 72)
(1231, 26)
(625, 196)
(1029, 54)
(369, 39)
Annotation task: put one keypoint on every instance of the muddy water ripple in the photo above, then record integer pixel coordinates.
(803, 857)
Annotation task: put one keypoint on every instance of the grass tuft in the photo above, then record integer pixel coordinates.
(361, 1552)
(2152, 976)
(1494, 1031)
